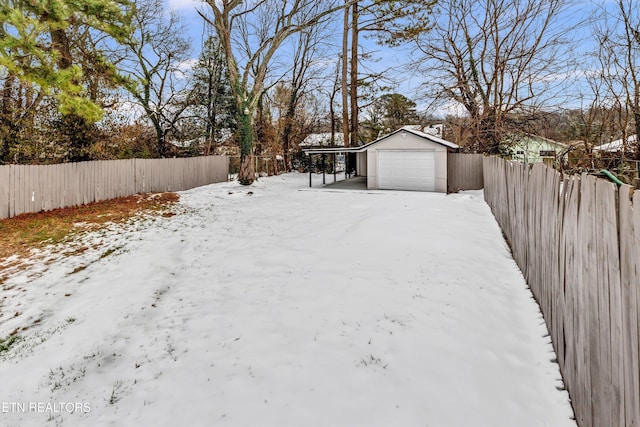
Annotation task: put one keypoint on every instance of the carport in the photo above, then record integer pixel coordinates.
(406, 159)
(333, 151)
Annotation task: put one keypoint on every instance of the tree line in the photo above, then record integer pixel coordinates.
(101, 79)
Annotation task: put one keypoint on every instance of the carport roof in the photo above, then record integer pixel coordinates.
(365, 147)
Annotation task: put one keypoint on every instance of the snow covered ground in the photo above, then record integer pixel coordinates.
(275, 305)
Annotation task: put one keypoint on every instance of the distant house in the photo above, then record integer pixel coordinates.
(436, 129)
(536, 149)
(323, 140)
(618, 145)
(200, 143)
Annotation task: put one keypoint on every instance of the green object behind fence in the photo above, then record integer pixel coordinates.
(611, 176)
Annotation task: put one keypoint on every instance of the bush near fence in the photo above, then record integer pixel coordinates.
(577, 241)
(29, 188)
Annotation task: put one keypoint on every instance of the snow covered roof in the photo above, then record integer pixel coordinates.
(323, 140)
(413, 131)
(409, 129)
(617, 145)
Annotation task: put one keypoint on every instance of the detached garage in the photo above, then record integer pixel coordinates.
(407, 170)
(406, 159)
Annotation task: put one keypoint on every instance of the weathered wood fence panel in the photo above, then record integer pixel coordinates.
(464, 172)
(577, 242)
(5, 185)
(28, 188)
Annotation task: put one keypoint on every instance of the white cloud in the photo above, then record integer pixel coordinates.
(451, 108)
(183, 68)
(184, 4)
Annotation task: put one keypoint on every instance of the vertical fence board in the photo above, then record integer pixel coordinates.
(102, 181)
(589, 261)
(45, 188)
(119, 176)
(18, 173)
(64, 180)
(5, 183)
(21, 189)
(12, 191)
(636, 283)
(138, 175)
(555, 275)
(52, 187)
(78, 179)
(90, 179)
(629, 280)
(572, 368)
(604, 199)
(42, 176)
(66, 177)
(130, 182)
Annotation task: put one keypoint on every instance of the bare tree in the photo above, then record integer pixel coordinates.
(252, 33)
(306, 48)
(391, 22)
(618, 37)
(151, 63)
(19, 102)
(345, 86)
(499, 59)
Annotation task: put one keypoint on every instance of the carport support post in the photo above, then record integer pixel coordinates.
(334, 167)
(309, 170)
(346, 165)
(323, 156)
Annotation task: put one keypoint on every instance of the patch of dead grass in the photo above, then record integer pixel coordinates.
(22, 234)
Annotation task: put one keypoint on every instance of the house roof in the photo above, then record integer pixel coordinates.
(616, 145)
(323, 140)
(409, 129)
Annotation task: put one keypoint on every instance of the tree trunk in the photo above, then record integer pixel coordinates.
(636, 117)
(288, 126)
(332, 118)
(7, 122)
(345, 86)
(286, 141)
(160, 138)
(246, 175)
(77, 130)
(353, 85)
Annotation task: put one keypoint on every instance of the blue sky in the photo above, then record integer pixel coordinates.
(394, 59)
(386, 57)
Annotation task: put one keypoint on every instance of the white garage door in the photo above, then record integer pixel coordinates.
(406, 170)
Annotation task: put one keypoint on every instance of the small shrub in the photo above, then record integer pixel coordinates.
(6, 343)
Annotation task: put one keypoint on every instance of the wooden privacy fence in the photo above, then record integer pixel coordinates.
(464, 172)
(577, 242)
(28, 188)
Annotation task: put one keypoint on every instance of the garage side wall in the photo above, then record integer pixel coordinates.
(407, 142)
(361, 164)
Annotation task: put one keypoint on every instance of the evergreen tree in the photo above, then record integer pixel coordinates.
(35, 47)
(211, 93)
